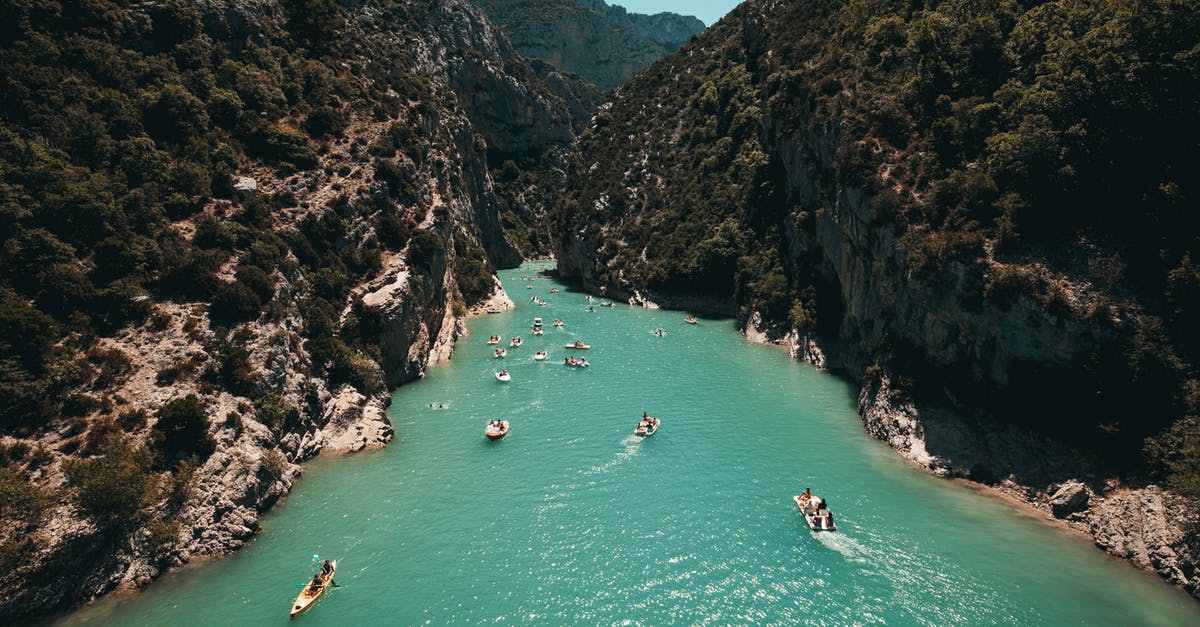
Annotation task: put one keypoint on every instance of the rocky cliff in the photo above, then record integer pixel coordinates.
(353, 222)
(604, 44)
(810, 181)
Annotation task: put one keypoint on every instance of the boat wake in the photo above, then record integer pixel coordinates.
(629, 448)
(849, 547)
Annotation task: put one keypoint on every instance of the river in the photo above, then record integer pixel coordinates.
(571, 519)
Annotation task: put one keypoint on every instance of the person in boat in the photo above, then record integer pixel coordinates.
(805, 497)
(326, 567)
(316, 583)
(828, 519)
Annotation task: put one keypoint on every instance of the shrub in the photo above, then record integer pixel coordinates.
(182, 431)
(234, 302)
(325, 122)
(111, 489)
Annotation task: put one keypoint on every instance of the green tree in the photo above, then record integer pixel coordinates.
(114, 487)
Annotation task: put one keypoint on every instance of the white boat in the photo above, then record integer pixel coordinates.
(606, 304)
(575, 363)
(500, 352)
(647, 427)
(503, 376)
(558, 323)
(537, 322)
(496, 429)
(538, 331)
(691, 320)
(516, 341)
(577, 345)
(816, 522)
(540, 355)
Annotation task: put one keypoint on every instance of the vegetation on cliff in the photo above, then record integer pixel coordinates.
(212, 187)
(1034, 152)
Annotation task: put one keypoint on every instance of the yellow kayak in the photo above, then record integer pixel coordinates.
(312, 592)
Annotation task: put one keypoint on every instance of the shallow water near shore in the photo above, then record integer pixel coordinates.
(571, 519)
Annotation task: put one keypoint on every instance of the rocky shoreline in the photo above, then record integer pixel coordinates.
(1142, 524)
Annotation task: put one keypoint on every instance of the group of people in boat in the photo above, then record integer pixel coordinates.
(500, 352)
(495, 339)
(318, 580)
(571, 361)
(817, 508)
(660, 332)
(646, 424)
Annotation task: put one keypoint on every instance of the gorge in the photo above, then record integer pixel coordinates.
(231, 227)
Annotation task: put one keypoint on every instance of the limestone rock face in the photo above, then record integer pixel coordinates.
(604, 44)
(277, 407)
(1138, 525)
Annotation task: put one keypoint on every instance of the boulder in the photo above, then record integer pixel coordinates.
(245, 185)
(1071, 497)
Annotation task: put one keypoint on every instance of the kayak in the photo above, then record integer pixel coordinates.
(815, 522)
(495, 433)
(309, 595)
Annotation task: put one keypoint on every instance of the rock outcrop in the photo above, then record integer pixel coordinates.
(269, 401)
(604, 44)
(748, 164)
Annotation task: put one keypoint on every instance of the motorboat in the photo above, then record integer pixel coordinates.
(647, 426)
(607, 303)
(496, 429)
(815, 513)
(577, 345)
(691, 320)
(537, 322)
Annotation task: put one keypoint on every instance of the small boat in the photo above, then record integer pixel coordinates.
(495, 339)
(516, 342)
(496, 429)
(816, 522)
(691, 320)
(558, 323)
(577, 345)
(607, 303)
(647, 427)
(500, 352)
(660, 332)
(537, 322)
(538, 331)
(310, 593)
(503, 376)
(540, 355)
(576, 363)
(528, 287)
(554, 290)
(493, 310)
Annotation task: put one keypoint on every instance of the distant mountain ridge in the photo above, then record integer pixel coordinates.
(604, 44)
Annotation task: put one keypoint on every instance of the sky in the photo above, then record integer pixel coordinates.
(709, 11)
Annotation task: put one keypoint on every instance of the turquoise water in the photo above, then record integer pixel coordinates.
(573, 520)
